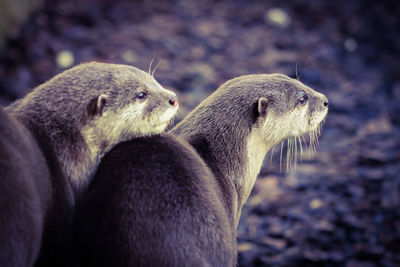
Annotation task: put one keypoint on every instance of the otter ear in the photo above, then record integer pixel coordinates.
(96, 105)
(262, 107)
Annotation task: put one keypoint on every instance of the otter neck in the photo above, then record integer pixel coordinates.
(98, 144)
(234, 156)
(257, 149)
(66, 142)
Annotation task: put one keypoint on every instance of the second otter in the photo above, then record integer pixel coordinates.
(176, 200)
(52, 142)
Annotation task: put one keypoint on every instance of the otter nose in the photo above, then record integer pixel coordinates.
(326, 101)
(173, 101)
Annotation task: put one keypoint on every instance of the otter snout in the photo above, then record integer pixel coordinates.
(321, 100)
(173, 99)
(326, 101)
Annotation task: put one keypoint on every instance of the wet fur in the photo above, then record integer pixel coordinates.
(166, 195)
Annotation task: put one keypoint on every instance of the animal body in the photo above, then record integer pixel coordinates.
(51, 143)
(175, 199)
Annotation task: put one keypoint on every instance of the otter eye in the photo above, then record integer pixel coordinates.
(303, 100)
(142, 95)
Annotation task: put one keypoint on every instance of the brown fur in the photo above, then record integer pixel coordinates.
(66, 125)
(24, 193)
(158, 202)
(145, 201)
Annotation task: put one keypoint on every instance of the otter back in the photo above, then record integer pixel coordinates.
(24, 191)
(153, 202)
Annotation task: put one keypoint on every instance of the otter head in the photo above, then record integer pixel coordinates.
(286, 108)
(258, 111)
(281, 109)
(234, 128)
(270, 107)
(87, 109)
(125, 102)
(132, 104)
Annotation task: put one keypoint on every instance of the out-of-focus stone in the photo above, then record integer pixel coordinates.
(247, 253)
(65, 59)
(129, 56)
(324, 225)
(316, 203)
(350, 44)
(277, 17)
(277, 244)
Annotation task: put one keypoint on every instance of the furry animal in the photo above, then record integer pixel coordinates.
(175, 199)
(52, 141)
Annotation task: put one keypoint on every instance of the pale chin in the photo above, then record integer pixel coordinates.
(161, 127)
(168, 115)
(165, 119)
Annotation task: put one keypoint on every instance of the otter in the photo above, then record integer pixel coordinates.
(52, 141)
(175, 199)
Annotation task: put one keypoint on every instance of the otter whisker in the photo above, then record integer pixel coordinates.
(152, 74)
(301, 147)
(280, 161)
(316, 141)
(304, 140)
(272, 153)
(297, 74)
(295, 152)
(311, 145)
(308, 146)
(291, 153)
(287, 154)
(291, 158)
(151, 63)
(293, 144)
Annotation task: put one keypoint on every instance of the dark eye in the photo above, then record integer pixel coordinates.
(303, 99)
(142, 95)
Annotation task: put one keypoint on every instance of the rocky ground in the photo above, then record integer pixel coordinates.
(341, 206)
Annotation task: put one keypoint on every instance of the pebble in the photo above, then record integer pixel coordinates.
(278, 17)
(316, 203)
(276, 244)
(129, 56)
(65, 59)
(350, 44)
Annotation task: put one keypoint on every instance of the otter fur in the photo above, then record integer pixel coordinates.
(23, 193)
(52, 141)
(175, 199)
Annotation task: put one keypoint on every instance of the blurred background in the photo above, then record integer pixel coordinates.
(340, 207)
